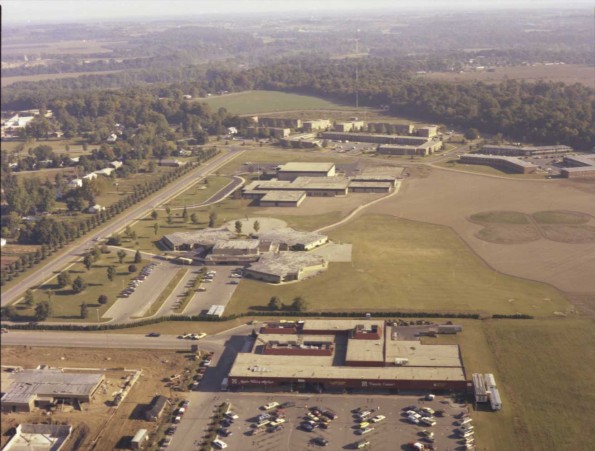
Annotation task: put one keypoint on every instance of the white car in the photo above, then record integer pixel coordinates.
(413, 413)
(413, 420)
(219, 444)
(270, 405)
(377, 419)
(364, 431)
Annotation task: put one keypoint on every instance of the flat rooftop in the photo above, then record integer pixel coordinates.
(306, 167)
(320, 367)
(422, 355)
(207, 237)
(53, 383)
(283, 196)
(371, 184)
(365, 350)
(512, 160)
(340, 324)
(291, 237)
(236, 244)
(284, 263)
(39, 437)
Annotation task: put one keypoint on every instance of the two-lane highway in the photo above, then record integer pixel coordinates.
(39, 275)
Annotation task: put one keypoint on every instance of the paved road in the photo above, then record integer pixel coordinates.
(105, 341)
(38, 276)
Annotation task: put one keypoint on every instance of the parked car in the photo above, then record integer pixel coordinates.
(153, 334)
(321, 441)
(364, 431)
(270, 405)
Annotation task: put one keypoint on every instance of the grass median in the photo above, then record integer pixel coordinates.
(167, 291)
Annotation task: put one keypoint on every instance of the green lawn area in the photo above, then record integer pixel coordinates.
(545, 369)
(66, 304)
(539, 366)
(500, 217)
(199, 192)
(560, 217)
(268, 101)
(406, 265)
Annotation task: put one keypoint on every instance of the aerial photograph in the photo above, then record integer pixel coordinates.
(289, 226)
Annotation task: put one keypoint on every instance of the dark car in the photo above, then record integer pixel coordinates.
(321, 441)
(288, 404)
(307, 427)
(226, 423)
(224, 432)
(153, 334)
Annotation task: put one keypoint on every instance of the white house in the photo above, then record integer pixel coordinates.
(106, 171)
(2, 242)
(76, 183)
(95, 208)
(116, 164)
(112, 138)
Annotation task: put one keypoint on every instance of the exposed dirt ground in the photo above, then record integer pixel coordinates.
(102, 420)
(450, 198)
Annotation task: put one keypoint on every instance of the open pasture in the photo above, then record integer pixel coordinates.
(565, 73)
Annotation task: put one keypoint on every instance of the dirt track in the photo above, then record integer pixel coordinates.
(449, 198)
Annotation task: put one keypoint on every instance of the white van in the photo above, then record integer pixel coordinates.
(219, 444)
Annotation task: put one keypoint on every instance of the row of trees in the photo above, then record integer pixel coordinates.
(298, 304)
(52, 234)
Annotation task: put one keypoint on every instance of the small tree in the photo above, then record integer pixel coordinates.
(64, 279)
(256, 226)
(156, 228)
(121, 255)
(111, 273)
(154, 215)
(132, 268)
(42, 311)
(168, 211)
(10, 312)
(275, 303)
(194, 218)
(185, 214)
(79, 285)
(88, 261)
(299, 304)
(169, 219)
(29, 298)
(84, 310)
(212, 219)
(238, 226)
(138, 257)
(102, 299)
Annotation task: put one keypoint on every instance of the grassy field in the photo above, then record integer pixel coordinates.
(7, 81)
(500, 217)
(539, 366)
(66, 304)
(406, 265)
(268, 101)
(199, 192)
(567, 73)
(560, 217)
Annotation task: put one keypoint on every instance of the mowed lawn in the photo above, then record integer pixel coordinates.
(545, 369)
(542, 370)
(66, 303)
(268, 101)
(408, 266)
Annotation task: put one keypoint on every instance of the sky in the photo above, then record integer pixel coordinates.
(40, 11)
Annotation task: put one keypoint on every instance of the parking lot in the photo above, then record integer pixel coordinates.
(393, 432)
(218, 291)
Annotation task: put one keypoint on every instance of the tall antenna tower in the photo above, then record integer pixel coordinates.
(356, 70)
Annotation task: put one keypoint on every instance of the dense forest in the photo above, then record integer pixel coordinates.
(542, 112)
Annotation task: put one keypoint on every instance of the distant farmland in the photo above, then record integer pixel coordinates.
(566, 73)
(6, 81)
(268, 101)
